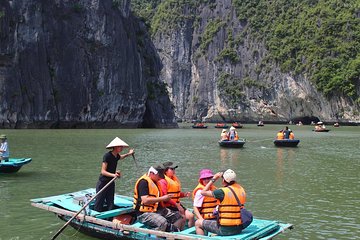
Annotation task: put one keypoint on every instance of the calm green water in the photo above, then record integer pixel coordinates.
(315, 186)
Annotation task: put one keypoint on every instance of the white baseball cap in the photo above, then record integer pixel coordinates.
(229, 175)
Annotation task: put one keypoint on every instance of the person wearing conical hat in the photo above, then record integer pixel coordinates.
(108, 172)
(4, 148)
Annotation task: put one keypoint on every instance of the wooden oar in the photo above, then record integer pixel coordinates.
(85, 205)
(133, 155)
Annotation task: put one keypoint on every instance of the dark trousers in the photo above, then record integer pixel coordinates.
(107, 196)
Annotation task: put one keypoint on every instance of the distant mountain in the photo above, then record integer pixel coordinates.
(247, 60)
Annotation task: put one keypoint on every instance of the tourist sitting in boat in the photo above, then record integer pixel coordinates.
(232, 197)
(233, 135)
(286, 132)
(171, 185)
(108, 172)
(148, 203)
(320, 126)
(280, 135)
(224, 135)
(291, 135)
(4, 148)
(204, 206)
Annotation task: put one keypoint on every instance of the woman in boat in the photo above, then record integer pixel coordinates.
(280, 135)
(233, 135)
(224, 135)
(291, 135)
(4, 148)
(108, 172)
(171, 185)
(229, 221)
(204, 206)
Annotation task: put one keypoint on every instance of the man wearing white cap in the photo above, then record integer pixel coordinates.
(108, 172)
(232, 198)
(148, 201)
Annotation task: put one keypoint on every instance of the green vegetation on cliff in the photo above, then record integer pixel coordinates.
(316, 38)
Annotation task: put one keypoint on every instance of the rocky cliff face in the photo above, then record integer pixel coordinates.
(216, 72)
(86, 63)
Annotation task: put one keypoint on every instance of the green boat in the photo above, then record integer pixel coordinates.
(97, 224)
(13, 165)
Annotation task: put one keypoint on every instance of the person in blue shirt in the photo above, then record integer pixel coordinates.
(287, 132)
(4, 148)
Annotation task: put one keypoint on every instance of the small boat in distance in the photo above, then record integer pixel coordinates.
(336, 124)
(199, 125)
(232, 143)
(260, 124)
(124, 224)
(221, 125)
(286, 142)
(321, 130)
(13, 164)
(237, 125)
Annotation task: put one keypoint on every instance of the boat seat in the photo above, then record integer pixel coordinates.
(114, 212)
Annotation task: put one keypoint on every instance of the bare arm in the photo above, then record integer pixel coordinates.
(146, 199)
(131, 152)
(105, 173)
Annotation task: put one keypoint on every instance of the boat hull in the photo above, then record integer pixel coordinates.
(321, 130)
(286, 143)
(97, 224)
(13, 165)
(199, 126)
(232, 144)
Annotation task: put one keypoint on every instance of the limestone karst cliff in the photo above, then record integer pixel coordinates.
(87, 63)
(218, 65)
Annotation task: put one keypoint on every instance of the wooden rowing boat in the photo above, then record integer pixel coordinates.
(286, 142)
(13, 164)
(97, 224)
(232, 143)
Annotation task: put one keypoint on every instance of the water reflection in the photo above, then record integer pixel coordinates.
(229, 157)
(284, 156)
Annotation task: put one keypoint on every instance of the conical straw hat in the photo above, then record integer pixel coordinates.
(117, 142)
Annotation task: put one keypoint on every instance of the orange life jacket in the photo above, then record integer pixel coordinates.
(280, 136)
(209, 203)
(229, 209)
(173, 187)
(291, 136)
(154, 191)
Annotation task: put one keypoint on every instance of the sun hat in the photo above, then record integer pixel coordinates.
(205, 173)
(229, 175)
(117, 142)
(2, 136)
(232, 128)
(169, 165)
(224, 130)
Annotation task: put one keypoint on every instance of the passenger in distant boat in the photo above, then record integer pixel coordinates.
(291, 135)
(171, 185)
(224, 135)
(148, 203)
(280, 135)
(233, 135)
(108, 172)
(204, 206)
(229, 221)
(286, 132)
(4, 148)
